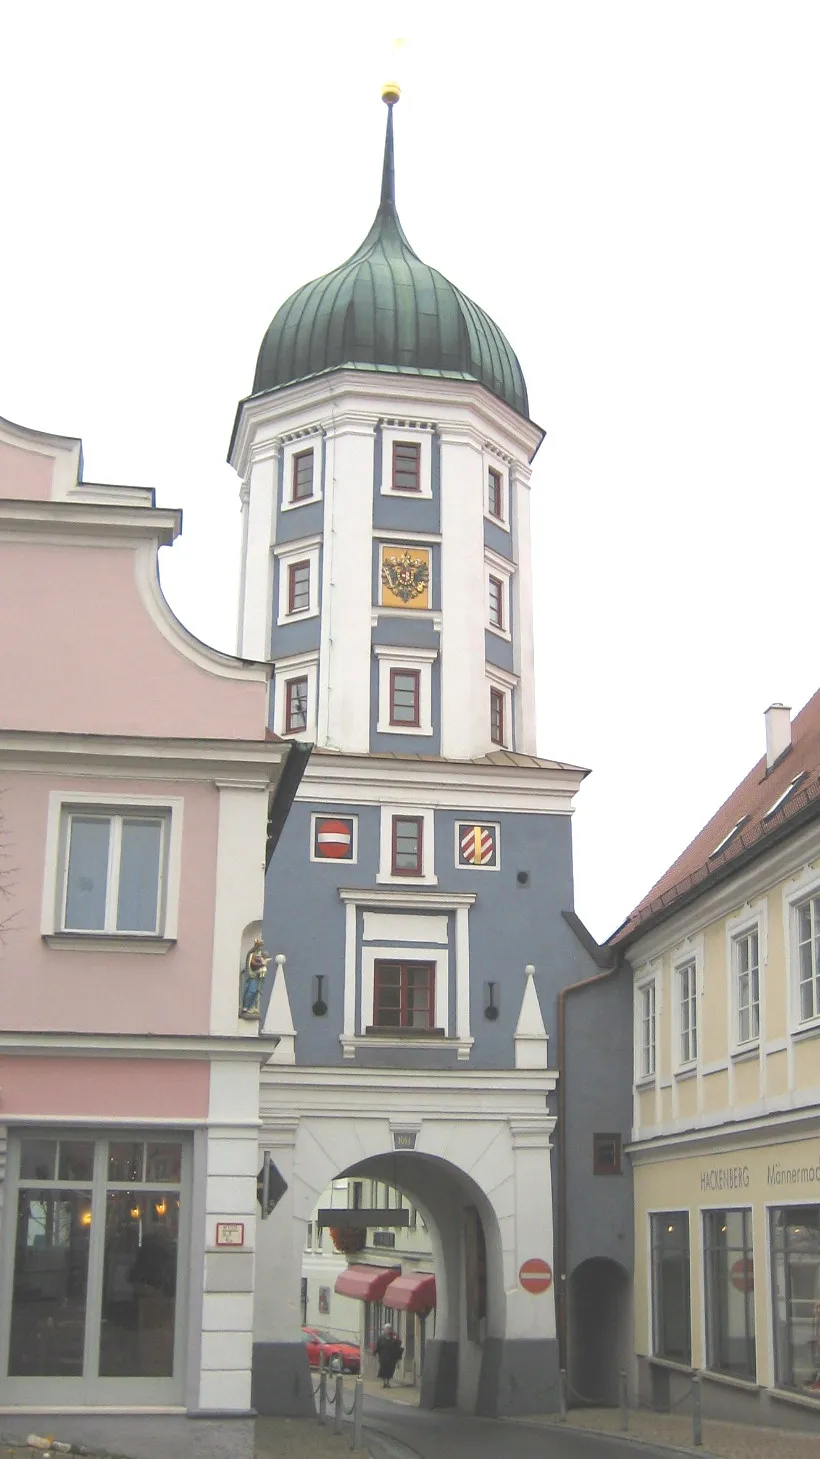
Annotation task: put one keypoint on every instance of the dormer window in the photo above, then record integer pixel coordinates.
(302, 477)
(406, 466)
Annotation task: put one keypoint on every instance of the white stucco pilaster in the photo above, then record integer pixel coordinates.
(240, 878)
(258, 533)
(530, 1315)
(465, 714)
(523, 640)
(343, 720)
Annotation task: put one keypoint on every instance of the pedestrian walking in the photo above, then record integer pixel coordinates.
(388, 1352)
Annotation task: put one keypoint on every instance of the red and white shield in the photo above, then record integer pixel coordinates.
(334, 839)
(477, 845)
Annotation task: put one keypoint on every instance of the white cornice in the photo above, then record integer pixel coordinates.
(159, 759)
(104, 1045)
(785, 1124)
(371, 395)
(405, 897)
(116, 524)
(448, 785)
(463, 1094)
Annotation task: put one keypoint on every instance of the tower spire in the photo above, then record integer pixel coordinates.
(390, 95)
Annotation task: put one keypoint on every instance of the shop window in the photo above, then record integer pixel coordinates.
(406, 466)
(384, 1238)
(795, 1258)
(729, 1276)
(606, 1155)
(408, 840)
(403, 995)
(671, 1314)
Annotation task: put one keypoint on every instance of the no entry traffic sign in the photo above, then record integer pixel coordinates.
(535, 1275)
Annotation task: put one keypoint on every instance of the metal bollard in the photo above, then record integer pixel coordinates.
(338, 1414)
(697, 1413)
(322, 1394)
(562, 1396)
(358, 1409)
(624, 1396)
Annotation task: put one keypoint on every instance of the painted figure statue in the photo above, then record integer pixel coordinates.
(251, 979)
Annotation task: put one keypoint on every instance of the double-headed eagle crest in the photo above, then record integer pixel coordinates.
(405, 576)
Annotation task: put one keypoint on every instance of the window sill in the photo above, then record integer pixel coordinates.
(687, 1071)
(800, 1400)
(107, 942)
(380, 1032)
(299, 615)
(498, 632)
(806, 1030)
(645, 1081)
(670, 1363)
(406, 881)
(301, 501)
(499, 522)
(395, 1040)
(744, 1052)
(749, 1384)
(386, 728)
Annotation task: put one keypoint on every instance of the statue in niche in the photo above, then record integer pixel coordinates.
(251, 978)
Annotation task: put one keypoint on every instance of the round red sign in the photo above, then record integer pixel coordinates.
(535, 1275)
(742, 1274)
(334, 839)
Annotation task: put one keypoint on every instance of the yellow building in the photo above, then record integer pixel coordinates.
(725, 956)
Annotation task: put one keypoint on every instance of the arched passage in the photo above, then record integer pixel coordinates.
(471, 1159)
(598, 1331)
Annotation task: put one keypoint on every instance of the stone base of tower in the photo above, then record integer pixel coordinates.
(518, 1376)
(281, 1381)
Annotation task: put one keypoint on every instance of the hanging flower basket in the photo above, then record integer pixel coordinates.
(348, 1239)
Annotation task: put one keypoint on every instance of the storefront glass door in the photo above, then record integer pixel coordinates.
(97, 1249)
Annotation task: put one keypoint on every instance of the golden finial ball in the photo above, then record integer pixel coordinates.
(390, 93)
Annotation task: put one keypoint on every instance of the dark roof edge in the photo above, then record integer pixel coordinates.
(603, 955)
(714, 878)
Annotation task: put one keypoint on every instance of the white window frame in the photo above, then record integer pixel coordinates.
(419, 660)
(506, 684)
(385, 873)
(61, 804)
(751, 919)
(307, 550)
(312, 442)
(499, 568)
(647, 984)
(803, 889)
(410, 435)
(490, 461)
(690, 958)
(296, 666)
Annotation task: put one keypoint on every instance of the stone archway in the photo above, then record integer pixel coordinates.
(473, 1148)
(600, 1293)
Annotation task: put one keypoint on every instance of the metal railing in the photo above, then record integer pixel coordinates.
(341, 1410)
(693, 1392)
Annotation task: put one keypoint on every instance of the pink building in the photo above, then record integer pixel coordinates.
(138, 788)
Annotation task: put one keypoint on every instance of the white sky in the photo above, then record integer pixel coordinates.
(628, 187)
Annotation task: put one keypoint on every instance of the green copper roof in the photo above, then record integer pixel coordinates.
(386, 310)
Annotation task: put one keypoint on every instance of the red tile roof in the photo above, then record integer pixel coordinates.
(741, 825)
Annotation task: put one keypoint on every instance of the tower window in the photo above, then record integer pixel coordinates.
(495, 498)
(408, 836)
(296, 705)
(405, 697)
(496, 597)
(403, 995)
(298, 586)
(406, 466)
(606, 1154)
(302, 480)
(497, 726)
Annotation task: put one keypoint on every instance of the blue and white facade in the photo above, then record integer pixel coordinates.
(416, 893)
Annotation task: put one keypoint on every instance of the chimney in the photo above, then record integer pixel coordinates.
(778, 733)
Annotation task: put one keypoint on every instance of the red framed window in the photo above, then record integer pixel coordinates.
(495, 497)
(298, 586)
(406, 466)
(403, 995)
(408, 846)
(405, 696)
(497, 716)
(302, 480)
(496, 602)
(296, 704)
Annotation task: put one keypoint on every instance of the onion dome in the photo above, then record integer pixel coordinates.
(386, 310)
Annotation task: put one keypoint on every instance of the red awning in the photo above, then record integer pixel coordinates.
(415, 1292)
(368, 1283)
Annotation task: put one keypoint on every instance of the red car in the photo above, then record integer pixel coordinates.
(340, 1356)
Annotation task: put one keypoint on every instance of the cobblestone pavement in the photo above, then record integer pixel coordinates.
(724, 1440)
